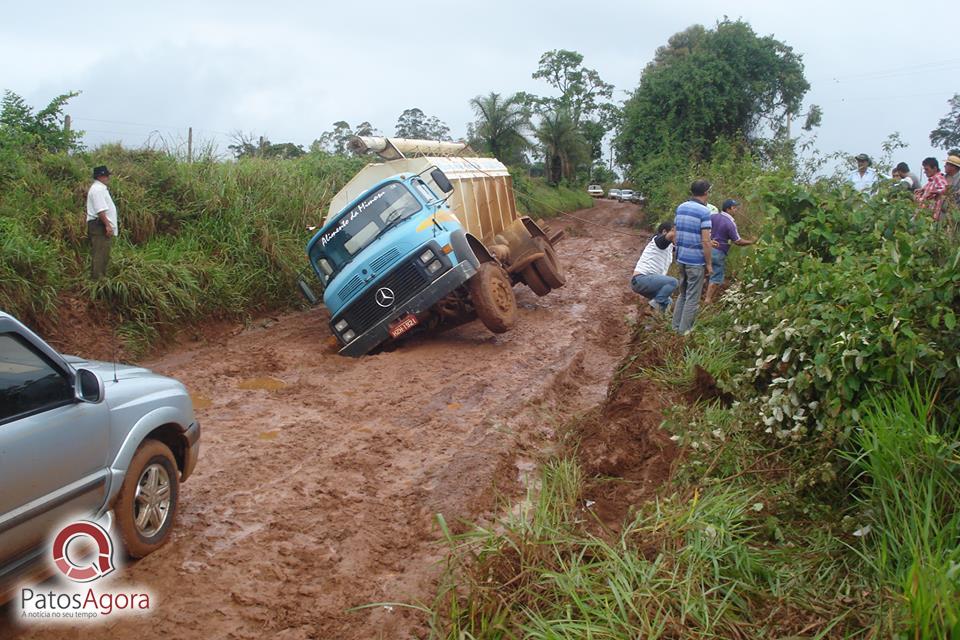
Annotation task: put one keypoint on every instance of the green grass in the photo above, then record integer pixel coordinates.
(907, 458)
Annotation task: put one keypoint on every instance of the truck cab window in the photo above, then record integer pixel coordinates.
(360, 225)
(27, 381)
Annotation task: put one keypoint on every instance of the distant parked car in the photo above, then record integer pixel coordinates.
(638, 198)
(613, 194)
(595, 190)
(625, 195)
(73, 445)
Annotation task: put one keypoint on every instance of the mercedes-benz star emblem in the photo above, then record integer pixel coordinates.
(385, 297)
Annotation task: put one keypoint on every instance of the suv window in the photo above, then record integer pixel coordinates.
(28, 381)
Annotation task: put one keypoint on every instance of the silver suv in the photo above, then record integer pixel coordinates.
(84, 439)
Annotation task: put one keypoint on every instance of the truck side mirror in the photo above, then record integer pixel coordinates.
(89, 387)
(306, 291)
(440, 179)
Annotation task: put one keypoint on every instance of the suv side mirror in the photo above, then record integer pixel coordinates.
(89, 387)
(440, 179)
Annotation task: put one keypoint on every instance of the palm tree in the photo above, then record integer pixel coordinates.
(563, 144)
(501, 125)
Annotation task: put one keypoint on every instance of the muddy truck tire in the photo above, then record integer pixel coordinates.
(549, 267)
(493, 298)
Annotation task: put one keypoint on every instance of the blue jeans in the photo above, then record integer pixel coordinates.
(719, 266)
(688, 301)
(654, 286)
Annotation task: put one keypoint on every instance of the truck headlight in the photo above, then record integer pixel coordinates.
(426, 256)
(340, 326)
(434, 266)
(349, 335)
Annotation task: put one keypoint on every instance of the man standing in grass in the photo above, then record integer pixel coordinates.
(101, 222)
(693, 254)
(724, 232)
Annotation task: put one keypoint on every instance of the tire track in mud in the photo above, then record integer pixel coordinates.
(316, 490)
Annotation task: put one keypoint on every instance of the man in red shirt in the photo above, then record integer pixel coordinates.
(931, 196)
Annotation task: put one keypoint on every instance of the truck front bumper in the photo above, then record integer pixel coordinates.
(422, 301)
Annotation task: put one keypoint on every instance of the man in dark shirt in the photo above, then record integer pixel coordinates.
(723, 232)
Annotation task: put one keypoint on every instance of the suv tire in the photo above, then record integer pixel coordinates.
(147, 503)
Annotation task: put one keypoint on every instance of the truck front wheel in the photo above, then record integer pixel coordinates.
(493, 298)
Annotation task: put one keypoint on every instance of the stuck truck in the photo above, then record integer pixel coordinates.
(430, 234)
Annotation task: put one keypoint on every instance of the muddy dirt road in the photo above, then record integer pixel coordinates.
(320, 476)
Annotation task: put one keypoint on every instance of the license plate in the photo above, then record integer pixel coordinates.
(401, 326)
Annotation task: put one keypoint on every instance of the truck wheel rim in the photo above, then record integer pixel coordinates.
(151, 506)
(501, 295)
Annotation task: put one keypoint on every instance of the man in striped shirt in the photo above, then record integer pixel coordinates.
(694, 253)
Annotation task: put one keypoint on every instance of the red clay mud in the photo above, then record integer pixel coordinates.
(320, 476)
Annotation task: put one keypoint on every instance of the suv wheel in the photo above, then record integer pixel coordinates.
(147, 503)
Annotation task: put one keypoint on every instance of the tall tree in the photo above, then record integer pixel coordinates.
(709, 84)
(414, 123)
(947, 133)
(501, 126)
(563, 145)
(582, 92)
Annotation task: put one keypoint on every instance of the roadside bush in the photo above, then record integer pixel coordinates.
(843, 298)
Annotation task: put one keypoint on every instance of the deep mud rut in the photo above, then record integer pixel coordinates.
(320, 476)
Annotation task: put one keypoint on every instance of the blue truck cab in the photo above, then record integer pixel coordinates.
(388, 257)
(425, 238)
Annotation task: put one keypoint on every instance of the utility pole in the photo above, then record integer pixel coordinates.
(189, 144)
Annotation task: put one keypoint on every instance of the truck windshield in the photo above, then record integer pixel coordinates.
(359, 226)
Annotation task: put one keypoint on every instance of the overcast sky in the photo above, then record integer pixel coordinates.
(288, 70)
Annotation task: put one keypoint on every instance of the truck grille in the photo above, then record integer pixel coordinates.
(404, 281)
(347, 290)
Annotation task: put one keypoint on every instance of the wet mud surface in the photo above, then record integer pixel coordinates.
(320, 476)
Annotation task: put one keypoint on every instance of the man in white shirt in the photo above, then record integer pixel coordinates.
(650, 277)
(101, 222)
(864, 176)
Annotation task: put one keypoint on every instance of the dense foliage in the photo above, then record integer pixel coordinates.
(705, 85)
(845, 298)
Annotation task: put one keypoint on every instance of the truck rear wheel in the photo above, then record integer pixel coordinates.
(533, 280)
(548, 267)
(493, 298)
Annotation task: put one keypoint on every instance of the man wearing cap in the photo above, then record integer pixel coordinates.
(723, 232)
(101, 222)
(694, 258)
(952, 168)
(863, 177)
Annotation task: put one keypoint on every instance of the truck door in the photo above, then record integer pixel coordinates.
(53, 448)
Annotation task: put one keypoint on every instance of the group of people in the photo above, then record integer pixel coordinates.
(938, 196)
(702, 237)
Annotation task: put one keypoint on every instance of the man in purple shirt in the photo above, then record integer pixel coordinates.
(723, 231)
